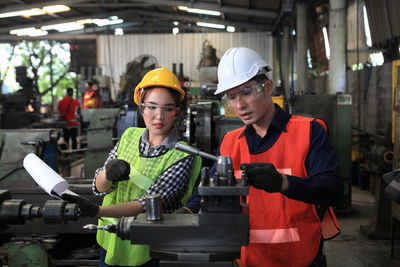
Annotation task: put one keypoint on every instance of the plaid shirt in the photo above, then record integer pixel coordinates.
(171, 184)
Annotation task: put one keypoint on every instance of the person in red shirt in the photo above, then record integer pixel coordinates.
(68, 107)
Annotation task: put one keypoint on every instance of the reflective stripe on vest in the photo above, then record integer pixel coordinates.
(283, 231)
(144, 172)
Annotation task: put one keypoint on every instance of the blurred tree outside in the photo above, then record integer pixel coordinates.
(47, 62)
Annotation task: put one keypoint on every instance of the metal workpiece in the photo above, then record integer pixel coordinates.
(153, 207)
(18, 211)
(59, 211)
(225, 171)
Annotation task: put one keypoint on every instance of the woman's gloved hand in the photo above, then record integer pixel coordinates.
(117, 170)
(87, 207)
(263, 176)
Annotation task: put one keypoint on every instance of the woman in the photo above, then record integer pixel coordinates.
(155, 167)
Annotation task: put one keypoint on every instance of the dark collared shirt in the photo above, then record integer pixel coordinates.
(322, 186)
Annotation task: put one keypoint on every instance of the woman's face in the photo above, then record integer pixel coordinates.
(159, 112)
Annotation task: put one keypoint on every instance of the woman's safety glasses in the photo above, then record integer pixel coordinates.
(153, 109)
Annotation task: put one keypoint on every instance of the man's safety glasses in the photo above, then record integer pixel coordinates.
(246, 94)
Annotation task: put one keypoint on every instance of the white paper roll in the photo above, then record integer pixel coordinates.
(44, 176)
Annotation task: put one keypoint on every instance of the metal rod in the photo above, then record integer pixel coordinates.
(195, 152)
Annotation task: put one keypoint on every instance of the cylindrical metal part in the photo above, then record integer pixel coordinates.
(70, 212)
(10, 212)
(123, 230)
(205, 176)
(153, 207)
(52, 211)
(224, 168)
(196, 152)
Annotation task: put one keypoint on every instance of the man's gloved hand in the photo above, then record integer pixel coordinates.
(87, 207)
(263, 176)
(117, 170)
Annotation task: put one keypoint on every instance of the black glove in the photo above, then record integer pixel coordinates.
(263, 176)
(87, 207)
(117, 170)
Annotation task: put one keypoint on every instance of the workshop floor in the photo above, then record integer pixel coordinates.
(351, 248)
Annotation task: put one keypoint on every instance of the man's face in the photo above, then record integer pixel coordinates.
(251, 101)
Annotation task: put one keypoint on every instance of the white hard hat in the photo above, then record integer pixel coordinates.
(239, 65)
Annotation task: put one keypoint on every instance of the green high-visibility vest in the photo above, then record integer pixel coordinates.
(144, 171)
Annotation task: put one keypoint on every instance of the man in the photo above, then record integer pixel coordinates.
(68, 107)
(291, 167)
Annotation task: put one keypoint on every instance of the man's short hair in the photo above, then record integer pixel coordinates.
(70, 91)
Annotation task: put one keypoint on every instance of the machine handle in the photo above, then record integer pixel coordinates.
(195, 152)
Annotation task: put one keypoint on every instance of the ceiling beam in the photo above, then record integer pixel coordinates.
(237, 24)
(147, 13)
(216, 7)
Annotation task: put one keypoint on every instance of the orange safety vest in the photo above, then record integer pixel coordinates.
(90, 100)
(283, 231)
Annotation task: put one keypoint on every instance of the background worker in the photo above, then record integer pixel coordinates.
(292, 170)
(92, 98)
(68, 108)
(143, 162)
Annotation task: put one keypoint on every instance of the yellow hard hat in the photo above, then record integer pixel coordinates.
(162, 77)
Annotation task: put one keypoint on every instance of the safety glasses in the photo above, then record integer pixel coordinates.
(153, 109)
(247, 94)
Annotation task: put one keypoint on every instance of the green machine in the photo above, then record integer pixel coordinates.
(28, 243)
(336, 111)
(100, 136)
(15, 145)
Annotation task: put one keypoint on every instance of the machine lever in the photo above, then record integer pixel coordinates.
(195, 152)
(109, 228)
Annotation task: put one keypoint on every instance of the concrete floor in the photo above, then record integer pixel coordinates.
(351, 248)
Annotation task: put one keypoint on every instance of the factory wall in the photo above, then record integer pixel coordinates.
(114, 52)
(372, 103)
(371, 91)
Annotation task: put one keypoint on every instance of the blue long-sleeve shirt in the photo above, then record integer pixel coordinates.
(322, 186)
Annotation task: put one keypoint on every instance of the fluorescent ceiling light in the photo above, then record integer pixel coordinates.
(23, 31)
(56, 8)
(37, 32)
(230, 29)
(36, 11)
(326, 43)
(105, 22)
(31, 31)
(199, 11)
(23, 13)
(118, 31)
(63, 27)
(210, 25)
